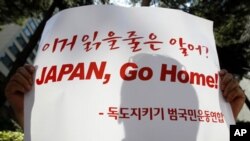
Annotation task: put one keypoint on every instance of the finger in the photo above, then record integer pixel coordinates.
(30, 68)
(231, 95)
(236, 98)
(222, 72)
(25, 72)
(21, 80)
(231, 86)
(13, 88)
(236, 94)
(225, 80)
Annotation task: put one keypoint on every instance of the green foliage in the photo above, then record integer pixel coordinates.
(9, 129)
(11, 136)
(17, 10)
(230, 18)
(176, 4)
(74, 3)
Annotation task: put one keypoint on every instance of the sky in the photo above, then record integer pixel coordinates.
(127, 3)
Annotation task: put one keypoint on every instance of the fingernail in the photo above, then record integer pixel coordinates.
(221, 72)
(32, 68)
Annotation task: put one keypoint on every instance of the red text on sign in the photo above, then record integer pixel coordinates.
(191, 77)
(72, 72)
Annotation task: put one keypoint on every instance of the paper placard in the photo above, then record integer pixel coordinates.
(107, 73)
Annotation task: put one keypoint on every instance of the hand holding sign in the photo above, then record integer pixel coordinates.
(232, 92)
(19, 84)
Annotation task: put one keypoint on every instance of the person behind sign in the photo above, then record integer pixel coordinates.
(21, 83)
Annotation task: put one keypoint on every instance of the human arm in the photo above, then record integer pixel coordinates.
(232, 92)
(19, 85)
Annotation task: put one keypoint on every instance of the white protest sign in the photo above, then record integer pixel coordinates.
(107, 73)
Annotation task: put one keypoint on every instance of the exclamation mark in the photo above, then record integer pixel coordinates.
(216, 81)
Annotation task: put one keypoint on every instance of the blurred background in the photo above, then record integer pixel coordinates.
(22, 22)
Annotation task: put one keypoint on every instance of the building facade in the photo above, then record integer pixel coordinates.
(13, 39)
